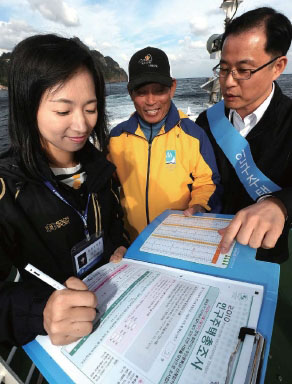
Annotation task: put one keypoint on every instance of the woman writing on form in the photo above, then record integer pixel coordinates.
(58, 207)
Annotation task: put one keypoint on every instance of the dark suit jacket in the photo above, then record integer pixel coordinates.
(271, 147)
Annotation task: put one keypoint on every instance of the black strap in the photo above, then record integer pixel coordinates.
(246, 331)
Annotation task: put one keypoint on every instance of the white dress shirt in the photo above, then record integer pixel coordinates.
(244, 126)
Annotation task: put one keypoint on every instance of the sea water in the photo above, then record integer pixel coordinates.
(188, 97)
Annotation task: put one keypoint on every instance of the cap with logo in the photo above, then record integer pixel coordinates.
(149, 65)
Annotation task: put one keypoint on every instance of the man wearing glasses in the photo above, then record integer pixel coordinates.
(251, 132)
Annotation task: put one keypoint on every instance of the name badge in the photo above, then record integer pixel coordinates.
(87, 254)
(170, 156)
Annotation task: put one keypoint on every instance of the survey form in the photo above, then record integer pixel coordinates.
(190, 238)
(161, 325)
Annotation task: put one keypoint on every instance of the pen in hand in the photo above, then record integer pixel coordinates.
(53, 283)
(45, 278)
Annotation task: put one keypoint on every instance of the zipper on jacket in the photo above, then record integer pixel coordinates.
(19, 185)
(97, 214)
(147, 179)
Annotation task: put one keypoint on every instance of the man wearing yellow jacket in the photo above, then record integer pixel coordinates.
(164, 160)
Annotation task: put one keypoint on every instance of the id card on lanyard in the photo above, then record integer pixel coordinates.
(88, 252)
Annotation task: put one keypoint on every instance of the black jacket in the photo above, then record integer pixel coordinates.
(271, 147)
(37, 227)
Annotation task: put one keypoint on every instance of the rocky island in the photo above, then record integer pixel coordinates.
(112, 72)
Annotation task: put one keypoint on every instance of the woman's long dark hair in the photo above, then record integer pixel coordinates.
(37, 64)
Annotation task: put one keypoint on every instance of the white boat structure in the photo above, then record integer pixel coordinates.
(213, 47)
(191, 115)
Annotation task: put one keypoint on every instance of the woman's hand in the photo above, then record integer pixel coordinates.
(69, 313)
(118, 254)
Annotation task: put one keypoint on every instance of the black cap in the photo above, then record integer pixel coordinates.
(149, 65)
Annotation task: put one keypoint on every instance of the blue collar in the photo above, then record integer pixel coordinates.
(151, 130)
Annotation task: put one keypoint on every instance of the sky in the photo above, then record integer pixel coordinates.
(118, 28)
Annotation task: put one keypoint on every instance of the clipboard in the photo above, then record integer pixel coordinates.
(242, 267)
(197, 315)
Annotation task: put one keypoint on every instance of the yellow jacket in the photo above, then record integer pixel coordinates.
(174, 171)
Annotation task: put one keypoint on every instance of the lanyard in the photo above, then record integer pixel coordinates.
(83, 217)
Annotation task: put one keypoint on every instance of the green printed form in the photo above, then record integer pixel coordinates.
(188, 343)
(111, 309)
(158, 325)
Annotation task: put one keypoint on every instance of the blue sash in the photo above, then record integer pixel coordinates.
(237, 150)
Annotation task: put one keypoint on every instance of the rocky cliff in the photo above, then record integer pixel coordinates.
(4, 64)
(112, 71)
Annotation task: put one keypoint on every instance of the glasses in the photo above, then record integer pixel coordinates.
(239, 74)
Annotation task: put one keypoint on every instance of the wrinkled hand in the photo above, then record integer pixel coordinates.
(69, 313)
(118, 254)
(259, 225)
(194, 209)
